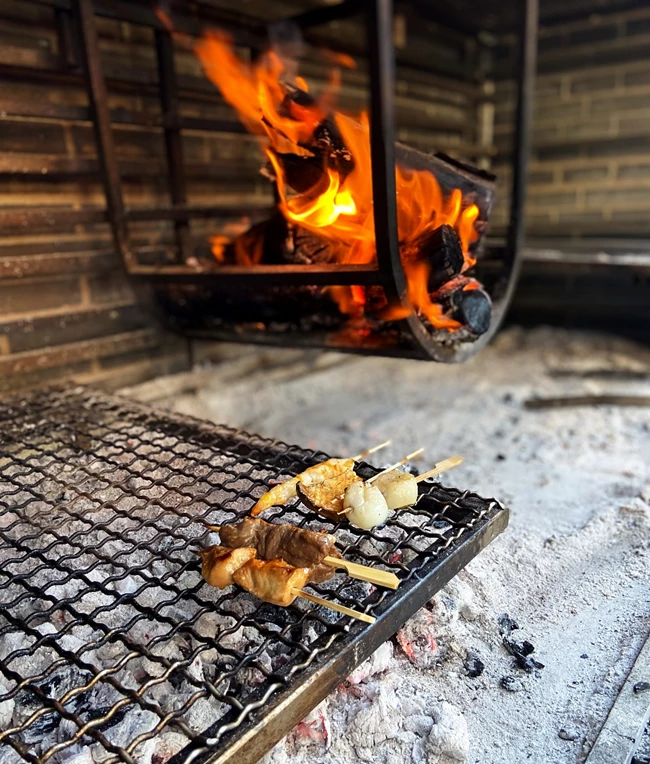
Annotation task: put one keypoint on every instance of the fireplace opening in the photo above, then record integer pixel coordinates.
(354, 189)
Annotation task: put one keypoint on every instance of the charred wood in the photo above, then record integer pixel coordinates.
(442, 249)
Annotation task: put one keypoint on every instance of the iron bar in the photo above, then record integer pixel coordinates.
(526, 67)
(382, 145)
(103, 130)
(326, 13)
(173, 140)
(327, 274)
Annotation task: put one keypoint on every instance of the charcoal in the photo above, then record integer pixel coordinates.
(473, 665)
(640, 687)
(511, 683)
(506, 624)
(464, 300)
(521, 652)
(475, 311)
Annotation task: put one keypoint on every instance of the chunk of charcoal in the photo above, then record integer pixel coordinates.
(640, 687)
(527, 663)
(442, 249)
(568, 734)
(474, 666)
(475, 311)
(506, 623)
(278, 616)
(584, 655)
(521, 652)
(511, 683)
(526, 648)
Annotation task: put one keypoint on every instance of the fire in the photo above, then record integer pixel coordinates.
(279, 108)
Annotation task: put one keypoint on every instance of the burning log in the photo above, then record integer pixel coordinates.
(442, 249)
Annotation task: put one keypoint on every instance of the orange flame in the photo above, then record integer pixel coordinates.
(340, 206)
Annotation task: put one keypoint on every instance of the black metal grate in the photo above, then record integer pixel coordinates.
(109, 639)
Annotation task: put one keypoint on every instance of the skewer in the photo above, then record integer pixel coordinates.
(443, 466)
(396, 465)
(353, 569)
(372, 450)
(334, 606)
(364, 573)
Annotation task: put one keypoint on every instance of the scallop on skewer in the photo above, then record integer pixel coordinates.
(368, 504)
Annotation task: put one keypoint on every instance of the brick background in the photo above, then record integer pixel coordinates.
(590, 164)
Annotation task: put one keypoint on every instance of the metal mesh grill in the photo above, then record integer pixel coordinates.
(109, 638)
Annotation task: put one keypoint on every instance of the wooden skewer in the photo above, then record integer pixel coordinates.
(364, 573)
(353, 569)
(372, 450)
(334, 606)
(396, 465)
(442, 466)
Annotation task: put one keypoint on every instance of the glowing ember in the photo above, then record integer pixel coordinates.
(339, 207)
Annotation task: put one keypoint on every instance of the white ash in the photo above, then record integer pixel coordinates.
(448, 738)
(572, 569)
(378, 663)
(6, 708)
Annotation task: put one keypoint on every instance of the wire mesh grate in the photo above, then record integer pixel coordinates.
(110, 641)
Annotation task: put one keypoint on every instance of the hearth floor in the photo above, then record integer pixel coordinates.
(573, 569)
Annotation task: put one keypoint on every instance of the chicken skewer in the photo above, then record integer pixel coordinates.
(298, 547)
(283, 492)
(273, 581)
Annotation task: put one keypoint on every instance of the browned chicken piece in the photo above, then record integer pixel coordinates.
(281, 493)
(273, 581)
(326, 496)
(219, 563)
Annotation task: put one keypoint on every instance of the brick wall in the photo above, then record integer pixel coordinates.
(590, 165)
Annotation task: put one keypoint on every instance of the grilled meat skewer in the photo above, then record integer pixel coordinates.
(281, 493)
(317, 473)
(297, 546)
(273, 581)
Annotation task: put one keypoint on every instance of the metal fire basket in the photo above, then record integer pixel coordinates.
(110, 639)
(186, 283)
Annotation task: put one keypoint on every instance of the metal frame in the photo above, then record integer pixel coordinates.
(388, 272)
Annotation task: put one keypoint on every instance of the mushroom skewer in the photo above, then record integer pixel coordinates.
(317, 473)
(273, 581)
(299, 547)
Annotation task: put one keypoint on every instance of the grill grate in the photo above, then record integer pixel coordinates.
(109, 639)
